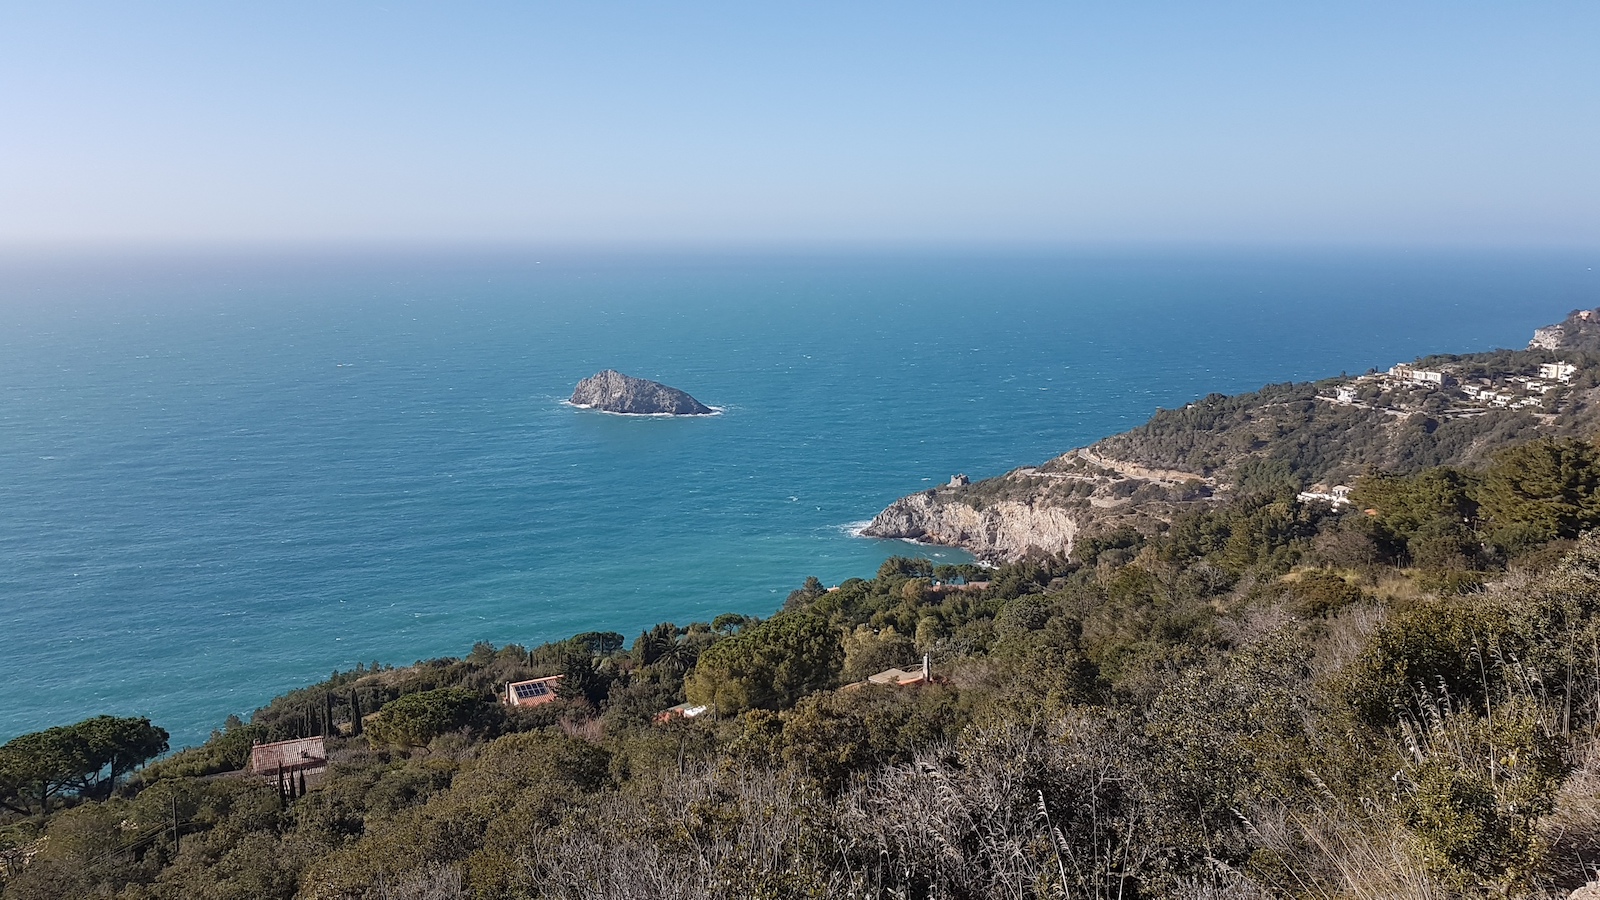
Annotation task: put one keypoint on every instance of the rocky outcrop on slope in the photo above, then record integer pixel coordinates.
(611, 391)
(1579, 331)
(1008, 529)
(1041, 510)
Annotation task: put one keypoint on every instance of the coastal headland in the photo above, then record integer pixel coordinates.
(1439, 410)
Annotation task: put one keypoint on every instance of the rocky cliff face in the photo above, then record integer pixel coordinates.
(1579, 331)
(1008, 529)
(612, 391)
(1043, 509)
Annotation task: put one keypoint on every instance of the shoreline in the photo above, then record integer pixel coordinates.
(858, 529)
(715, 411)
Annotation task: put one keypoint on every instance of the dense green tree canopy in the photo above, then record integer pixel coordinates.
(87, 758)
(600, 643)
(415, 719)
(769, 665)
(1541, 490)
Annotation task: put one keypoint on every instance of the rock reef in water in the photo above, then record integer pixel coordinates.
(611, 391)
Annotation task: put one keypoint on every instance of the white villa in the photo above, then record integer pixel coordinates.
(1557, 371)
(1413, 375)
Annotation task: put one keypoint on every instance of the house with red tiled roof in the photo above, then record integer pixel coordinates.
(296, 764)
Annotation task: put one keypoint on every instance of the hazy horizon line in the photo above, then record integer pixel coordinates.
(9, 249)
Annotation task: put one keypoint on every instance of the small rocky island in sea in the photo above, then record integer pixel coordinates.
(611, 391)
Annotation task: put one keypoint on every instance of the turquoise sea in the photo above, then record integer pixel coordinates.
(225, 476)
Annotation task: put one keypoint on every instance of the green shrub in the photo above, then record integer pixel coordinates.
(416, 719)
(1440, 643)
(1321, 594)
(1477, 791)
(768, 666)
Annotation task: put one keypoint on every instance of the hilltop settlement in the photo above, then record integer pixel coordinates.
(1338, 639)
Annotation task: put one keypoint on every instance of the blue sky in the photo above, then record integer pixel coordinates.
(1352, 123)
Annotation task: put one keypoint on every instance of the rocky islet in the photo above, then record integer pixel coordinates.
(613, 392)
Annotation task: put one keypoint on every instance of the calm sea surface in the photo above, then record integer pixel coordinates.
(221, 478)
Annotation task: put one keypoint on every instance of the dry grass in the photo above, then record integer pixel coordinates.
(1573, 829)
(1372, 867)
(1331, 855)
(591, 730)
(1398, 587)
(1348, 633)
(442, 883)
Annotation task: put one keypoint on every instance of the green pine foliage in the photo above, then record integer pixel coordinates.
(414, 720)
(768, 666)
(87, 759)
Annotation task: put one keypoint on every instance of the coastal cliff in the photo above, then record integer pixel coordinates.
(1007, 530)
(1039, 510)
(611, 391)
(1306, 439)
(1579, 331)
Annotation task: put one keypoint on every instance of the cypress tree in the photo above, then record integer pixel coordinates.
(327, 711)
(355, 713)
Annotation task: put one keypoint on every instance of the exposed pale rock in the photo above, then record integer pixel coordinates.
(1008, 529)
(612, 391)
(1578, 331)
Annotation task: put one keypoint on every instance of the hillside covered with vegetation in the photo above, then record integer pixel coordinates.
(1266, 698)
(1292, 433)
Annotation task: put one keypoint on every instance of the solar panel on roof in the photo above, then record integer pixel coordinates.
(529, 691)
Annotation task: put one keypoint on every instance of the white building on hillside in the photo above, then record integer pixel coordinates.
(1557, 371)
(1424, 377)
(1338, 495)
